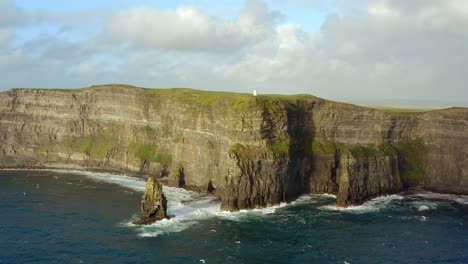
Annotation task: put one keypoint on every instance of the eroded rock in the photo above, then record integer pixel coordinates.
(153, 203)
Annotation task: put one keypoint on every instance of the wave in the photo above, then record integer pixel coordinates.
(187, 208)
(181, 218)
(192, 213)
(242, 214)
(424, 205)
(459, 199)
(184, 207)
(373, 205)
(325, 195)
(134, 183)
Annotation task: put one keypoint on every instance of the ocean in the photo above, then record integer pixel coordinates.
(82, 217)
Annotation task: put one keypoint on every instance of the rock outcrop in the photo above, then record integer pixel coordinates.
(249, 151)
(153, 203)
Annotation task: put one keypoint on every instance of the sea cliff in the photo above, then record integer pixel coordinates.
(249, 151)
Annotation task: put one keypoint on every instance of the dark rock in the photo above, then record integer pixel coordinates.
(177, 177)
(153, 203)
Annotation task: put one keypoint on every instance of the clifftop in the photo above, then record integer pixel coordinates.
(217, 98)
(250, 151)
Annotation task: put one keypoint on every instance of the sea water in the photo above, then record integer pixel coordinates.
(82, 217)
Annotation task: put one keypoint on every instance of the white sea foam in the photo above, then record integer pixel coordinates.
(185, 208)
(241, 214)
(326, 195)
(182, 215)
(311, 198)
(188, 214)
(373, 205)
(423, 208)
(133, 183)
(460, 199)
(203, 207)
(424, 205)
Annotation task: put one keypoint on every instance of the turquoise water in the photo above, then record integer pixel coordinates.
(73, 217)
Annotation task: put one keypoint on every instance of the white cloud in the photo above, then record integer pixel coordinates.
(376, 49)
(187, 28)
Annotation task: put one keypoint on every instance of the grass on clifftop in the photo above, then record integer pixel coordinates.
(203, 98)
(239, 102)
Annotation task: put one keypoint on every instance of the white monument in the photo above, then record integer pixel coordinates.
(254, 92)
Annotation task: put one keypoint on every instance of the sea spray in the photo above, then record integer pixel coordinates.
(188, 208)
(460, 199)
(301, 232)
(373, 205)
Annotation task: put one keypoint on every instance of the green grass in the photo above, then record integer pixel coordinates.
(326, 148)
(363, 151)
(385, 149)
(412, 159)
(93, 146)
(163, 158)
(238, 102)
(199, 97)
(288, 98)
(142, 151)
(279, 147)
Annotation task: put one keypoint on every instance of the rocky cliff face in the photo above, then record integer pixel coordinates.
(249, 151)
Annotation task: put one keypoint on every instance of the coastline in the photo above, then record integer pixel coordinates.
(460, 198)
(250, 152)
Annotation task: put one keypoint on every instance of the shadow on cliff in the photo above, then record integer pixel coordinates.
(301, 130)
(294, 120)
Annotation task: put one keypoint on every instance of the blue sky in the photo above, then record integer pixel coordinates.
(309, 14)
(365, 51)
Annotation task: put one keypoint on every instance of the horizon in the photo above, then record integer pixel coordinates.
(378, 105)
(377, 53)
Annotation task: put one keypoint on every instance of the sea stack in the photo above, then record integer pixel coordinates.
(153, 203)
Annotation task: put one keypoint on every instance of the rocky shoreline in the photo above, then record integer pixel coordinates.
(249, 151)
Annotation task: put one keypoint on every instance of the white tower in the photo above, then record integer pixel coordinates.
(254, 92)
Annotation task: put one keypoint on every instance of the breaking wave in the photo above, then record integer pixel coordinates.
(373, 205)
(187, 208)
(459, 199)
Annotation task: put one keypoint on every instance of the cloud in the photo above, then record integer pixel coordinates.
(187, 28)
(12, 15)
(5, 37)
(365, 51)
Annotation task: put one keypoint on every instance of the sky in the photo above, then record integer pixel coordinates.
(375, 52)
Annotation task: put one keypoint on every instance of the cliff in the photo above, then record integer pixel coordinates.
(249, 151)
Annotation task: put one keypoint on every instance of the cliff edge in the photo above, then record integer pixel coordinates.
(249, 151)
